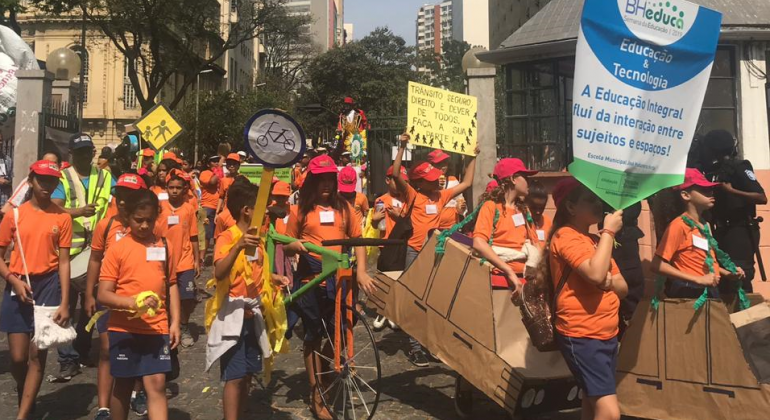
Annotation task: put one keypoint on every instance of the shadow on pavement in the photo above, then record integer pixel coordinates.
(66, 403)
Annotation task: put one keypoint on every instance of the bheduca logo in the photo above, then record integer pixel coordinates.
(662, 12)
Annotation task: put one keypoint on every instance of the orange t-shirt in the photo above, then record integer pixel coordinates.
(282, 224)
(223, 221)
(335, 226)
(160, 192)
(391, 202)
(239, 288)
(125, 263)
(100, 242)
(42, 233)
(209, 193)
(425, 215)
(678, 248)
(224, 186)
(181, 225)
(112, 209)
(582, 309)
(511, 231)
(448, 218)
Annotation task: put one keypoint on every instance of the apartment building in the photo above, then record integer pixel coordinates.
(434, 26)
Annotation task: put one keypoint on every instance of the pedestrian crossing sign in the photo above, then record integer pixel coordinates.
(158, 127)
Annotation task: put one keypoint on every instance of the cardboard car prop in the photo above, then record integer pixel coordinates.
(674, 363)
(447, 303)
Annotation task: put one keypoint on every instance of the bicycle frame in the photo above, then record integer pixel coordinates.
(331, 262)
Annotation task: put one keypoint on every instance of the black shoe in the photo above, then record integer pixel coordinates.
(418, 358)
(463, 401)
(67, 371)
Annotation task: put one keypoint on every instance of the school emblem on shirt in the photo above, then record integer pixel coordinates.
(55, 230)
(750, 174)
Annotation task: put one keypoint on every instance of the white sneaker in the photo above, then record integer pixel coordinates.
(393, 326)
(379, 323)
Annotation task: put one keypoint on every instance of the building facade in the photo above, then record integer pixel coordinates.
(434, 26)
(349, 33)
(538, 61)
(240, 63)
(470, 22)
(327, 24)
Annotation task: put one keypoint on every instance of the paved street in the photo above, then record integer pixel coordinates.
(408, 392)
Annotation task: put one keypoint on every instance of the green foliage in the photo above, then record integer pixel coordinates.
(223, 116)
(445, 70)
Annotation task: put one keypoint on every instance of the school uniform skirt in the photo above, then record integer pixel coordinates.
(19, 317)
(135, 355)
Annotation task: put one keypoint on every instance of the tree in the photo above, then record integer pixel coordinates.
(445, 70)
(288, 51)
(222, 117)
(167, 39)
(8, 11)
(375, 71)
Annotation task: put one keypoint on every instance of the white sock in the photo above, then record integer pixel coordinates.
(133, 394)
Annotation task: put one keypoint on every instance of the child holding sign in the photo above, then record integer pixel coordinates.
(588, 288)
(140, 347)
(684, 255)
(426, 199)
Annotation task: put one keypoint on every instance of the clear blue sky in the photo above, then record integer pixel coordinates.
(398, 15)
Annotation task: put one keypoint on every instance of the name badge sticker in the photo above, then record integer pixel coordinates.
(286, 220)
(255, 257)
(431, 209)
(327, 217)
(540, 235)
(119, 236)
(397, 204)
(173, 220)
(155, 253)
(163, 196)
(518, 220)
(700, 243)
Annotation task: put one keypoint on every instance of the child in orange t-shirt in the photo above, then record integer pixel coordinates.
(243, 276)
(180, 217)
(588, 288)
(322, 214)
(280, 199)
(233, 165)
(347, 180)
(393, 204)
(46, 235)
(164, 167)
(108, 232)
(140, 347)
(683, 250)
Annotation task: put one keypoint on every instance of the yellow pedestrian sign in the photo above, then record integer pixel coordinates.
(158, 127)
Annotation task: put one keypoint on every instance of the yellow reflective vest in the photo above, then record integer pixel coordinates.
(99, 185)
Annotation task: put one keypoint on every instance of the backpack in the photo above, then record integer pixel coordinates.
(538, 312)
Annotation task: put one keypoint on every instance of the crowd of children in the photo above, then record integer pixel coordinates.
(146, 256)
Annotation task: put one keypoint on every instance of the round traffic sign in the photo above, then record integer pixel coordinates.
(274, 139)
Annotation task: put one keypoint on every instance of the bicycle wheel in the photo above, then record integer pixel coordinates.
(354, 392)
(289, 144)
(262, 141)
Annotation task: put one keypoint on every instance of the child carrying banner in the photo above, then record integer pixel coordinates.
(236, 323)
(686, 255)
(588, 287)
(139, 273)
(45, 232)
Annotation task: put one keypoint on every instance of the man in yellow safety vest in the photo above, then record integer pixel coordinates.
(84, 192)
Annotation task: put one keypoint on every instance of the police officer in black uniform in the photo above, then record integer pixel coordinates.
(736, 227)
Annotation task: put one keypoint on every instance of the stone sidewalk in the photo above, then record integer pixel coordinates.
(407, 392)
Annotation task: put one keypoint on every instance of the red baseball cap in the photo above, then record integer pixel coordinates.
(65, 165)
(322, 165)
(563, 188)
(349, 100)
(148, 153)
(425, 171)
(437, 156)
(234, 156)
(131, 181)
(347, 180)
(693, 177)
(509, 167)
(46, 168)
(492, 185)
(281, 189)
(404, 174)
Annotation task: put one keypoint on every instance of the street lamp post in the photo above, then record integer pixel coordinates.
(197, 111)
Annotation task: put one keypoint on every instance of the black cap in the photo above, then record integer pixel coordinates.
(80, 141)
(720, 142)
(106, 153)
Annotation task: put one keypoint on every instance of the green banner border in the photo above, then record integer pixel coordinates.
(621, 189)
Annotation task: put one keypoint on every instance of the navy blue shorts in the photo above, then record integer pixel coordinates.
(592, 362)
(186, 282)
(135, 355)
(18, 317)
(101, 323)
(211, 214)
(245, 358)
(687, 290)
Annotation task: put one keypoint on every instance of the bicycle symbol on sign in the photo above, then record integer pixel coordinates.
(276, 136)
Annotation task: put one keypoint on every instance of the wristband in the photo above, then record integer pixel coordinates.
(607, 231)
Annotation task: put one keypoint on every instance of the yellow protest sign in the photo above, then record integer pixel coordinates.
(441, 119)
(158, 127)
